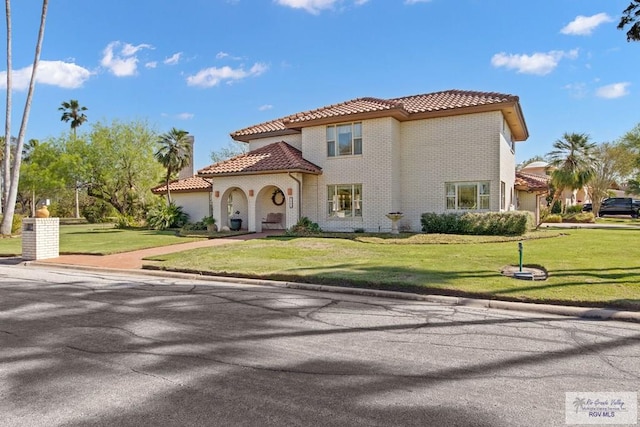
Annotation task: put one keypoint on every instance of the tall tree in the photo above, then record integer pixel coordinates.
(119, 165)
(72, 112)
(631, 142)
(6, 176)
(630, 17)
(7, 220)
(613, 164)
(571, 163)
(174, 154)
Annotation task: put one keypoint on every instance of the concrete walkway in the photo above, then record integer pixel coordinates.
(135, 259)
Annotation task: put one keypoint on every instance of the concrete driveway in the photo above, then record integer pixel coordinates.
(100, 349)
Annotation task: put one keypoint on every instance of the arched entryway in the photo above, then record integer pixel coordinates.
(234, 205)
(271, 208)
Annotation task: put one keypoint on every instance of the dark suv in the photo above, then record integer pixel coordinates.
(620, 206)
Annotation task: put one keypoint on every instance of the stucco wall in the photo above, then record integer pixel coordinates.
(196, 205)
(507, 169)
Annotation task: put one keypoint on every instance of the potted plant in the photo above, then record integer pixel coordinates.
(210, 222)
(235, 221)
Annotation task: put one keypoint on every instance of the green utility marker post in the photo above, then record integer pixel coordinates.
(520, 250)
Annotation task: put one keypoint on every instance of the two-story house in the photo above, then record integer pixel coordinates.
(346, 166)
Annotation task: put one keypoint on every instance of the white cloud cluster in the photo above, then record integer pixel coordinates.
(55, 73)
(265, 107)
(173, 59)
(213, 76)
(584, 25)
(539, 63)
(315, 6)
(615, 90)
(120, 58)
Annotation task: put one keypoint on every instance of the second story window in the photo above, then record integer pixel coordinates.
(344, 140)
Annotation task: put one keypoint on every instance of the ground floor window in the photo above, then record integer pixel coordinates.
(503, 195)
(467, 195)
(344, 200)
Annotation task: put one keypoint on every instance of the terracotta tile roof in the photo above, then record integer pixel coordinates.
(531, 182)
(188, 185)
(276, 157)
(401, 108)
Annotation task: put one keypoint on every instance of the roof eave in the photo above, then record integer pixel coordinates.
(260, 135)
(397, 113)
(267, 172)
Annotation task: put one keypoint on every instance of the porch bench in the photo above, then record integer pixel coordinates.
(272, 218)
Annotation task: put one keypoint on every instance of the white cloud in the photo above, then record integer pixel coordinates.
(539, 63)
(615, 90)
(185, 116)
(584, 25)
(151, 64)
(223, 55)
(213, 76)
(265, 107)
(174, 59)
(577, 90)
(315, 6)
(120, 58)
(416, 1)
(55, 73)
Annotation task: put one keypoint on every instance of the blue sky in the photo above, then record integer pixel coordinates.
(215, 66)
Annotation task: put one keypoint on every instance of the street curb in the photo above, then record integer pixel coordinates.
(560, 310)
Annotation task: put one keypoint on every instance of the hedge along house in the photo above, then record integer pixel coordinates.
(346, 166)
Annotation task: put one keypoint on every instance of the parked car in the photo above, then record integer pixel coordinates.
(619, 206)
(587, 207)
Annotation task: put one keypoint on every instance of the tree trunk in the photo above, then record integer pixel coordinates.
(7, 124)
(77, 202)
(10, 206)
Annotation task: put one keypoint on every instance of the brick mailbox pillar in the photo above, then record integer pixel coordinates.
(40, 238)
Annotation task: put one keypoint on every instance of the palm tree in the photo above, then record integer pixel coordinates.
(6, 177)
(73, 112)
(571, 163)
(174, 153)
(10, 206)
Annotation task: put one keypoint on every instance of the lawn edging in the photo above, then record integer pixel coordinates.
(591, 312)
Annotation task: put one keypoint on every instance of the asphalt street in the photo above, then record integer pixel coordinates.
(82, 348)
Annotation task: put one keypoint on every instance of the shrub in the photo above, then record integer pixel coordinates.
(553, 218)
(98, 211)
(557, 207)
(167, 216)
(127, 221)
(581, 217)
(490, 223)
(305, 226)
(573, 209)
(194, 226)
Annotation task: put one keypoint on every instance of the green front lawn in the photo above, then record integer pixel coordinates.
(100, 239)
(585, 266)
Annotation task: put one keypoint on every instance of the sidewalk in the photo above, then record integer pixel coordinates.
(135, 259)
